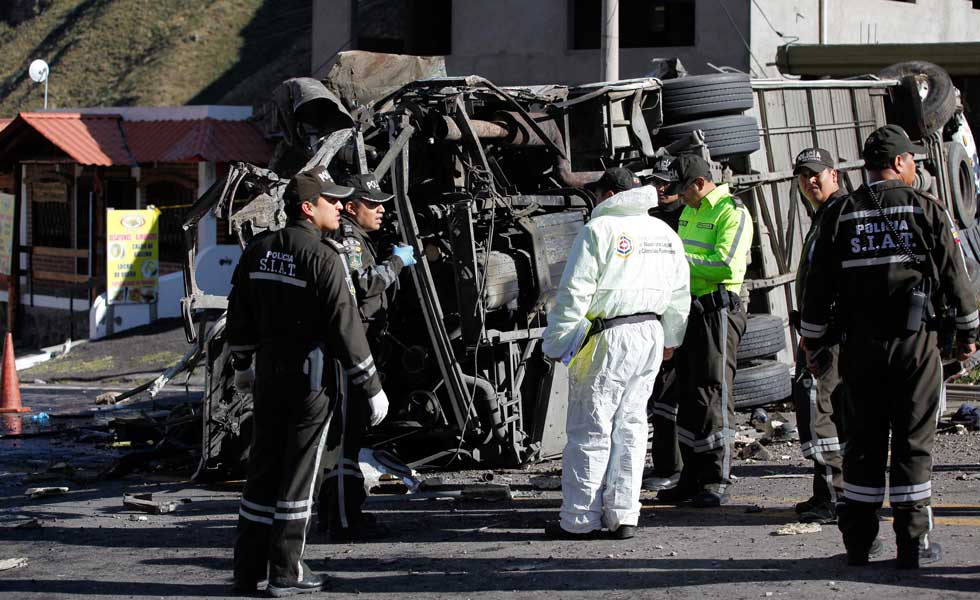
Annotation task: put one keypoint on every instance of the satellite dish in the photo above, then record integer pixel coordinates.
(38, 71)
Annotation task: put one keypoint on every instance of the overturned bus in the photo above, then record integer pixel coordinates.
(488, 186)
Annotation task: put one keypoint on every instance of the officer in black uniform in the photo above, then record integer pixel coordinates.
(292, 306)
(340, 503)
(815, 398)
(669, 206)
(662, 407)
(884, 262)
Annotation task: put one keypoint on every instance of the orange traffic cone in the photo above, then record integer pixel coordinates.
(9, 384)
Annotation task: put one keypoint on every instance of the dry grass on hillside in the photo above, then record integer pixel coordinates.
(153, 53)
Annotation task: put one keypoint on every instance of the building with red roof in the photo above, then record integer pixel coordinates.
(65, 168)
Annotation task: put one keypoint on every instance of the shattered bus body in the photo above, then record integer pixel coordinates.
(488, 186)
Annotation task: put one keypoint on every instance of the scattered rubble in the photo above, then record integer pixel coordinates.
(41, 492)
(12, 563)
(145, 503)
(755, 450)
(798, 529)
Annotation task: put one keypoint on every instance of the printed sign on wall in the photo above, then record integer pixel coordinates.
(132, 256)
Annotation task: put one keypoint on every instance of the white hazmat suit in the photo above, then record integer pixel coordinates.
(623, 262)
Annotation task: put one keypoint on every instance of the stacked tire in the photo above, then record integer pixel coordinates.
(713, 104)
(759, 379)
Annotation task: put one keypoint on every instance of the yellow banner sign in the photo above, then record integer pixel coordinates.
(132, 256)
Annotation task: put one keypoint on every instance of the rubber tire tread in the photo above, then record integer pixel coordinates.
(962, 187)
(724, 136)
(765, 335)
(922, 117)
(761, 382)
(705, 95)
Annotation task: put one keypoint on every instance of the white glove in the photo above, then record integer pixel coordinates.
(244, 380)
(379, 407)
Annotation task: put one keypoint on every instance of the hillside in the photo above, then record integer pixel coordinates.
(153, 53)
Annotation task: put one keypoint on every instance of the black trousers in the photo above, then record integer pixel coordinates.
(706, 364)
(341, 500)
(662, 408)
(288, 440)
(818, 418)
(894, 387)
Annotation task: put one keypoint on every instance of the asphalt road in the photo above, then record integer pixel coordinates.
(86, 544)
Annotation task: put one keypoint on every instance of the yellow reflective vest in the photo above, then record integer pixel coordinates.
(717, 237)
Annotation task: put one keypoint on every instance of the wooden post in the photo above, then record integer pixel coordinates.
(13, 280)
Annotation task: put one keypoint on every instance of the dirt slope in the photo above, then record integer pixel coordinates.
(152, 53)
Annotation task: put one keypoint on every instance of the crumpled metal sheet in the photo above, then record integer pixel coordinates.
(361, 78)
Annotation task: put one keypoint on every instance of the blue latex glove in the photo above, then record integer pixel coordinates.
(406, 254)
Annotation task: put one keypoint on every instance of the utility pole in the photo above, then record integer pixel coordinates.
(610, 40)
(823, 9)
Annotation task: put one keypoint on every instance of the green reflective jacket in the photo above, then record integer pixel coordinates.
(717, 238)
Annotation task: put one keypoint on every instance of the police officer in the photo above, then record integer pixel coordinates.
(815, 397)
(363, 214)
(716, 230)
(669, 206)
(625, 291)
(662, 406)
(292, 307)
(884, 259)
(339, 504)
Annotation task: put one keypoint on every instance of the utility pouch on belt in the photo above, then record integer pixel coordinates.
(919, 306)
(313, 367)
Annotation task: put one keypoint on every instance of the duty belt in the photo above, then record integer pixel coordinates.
(600, 325)
(717, 300)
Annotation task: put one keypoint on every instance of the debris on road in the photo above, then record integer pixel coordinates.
(41, 492)
(12, 563)
(798, 529)
(107, 398)
(145, 503)
(138, 518)
(754, 450)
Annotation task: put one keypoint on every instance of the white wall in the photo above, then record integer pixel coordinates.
(860, 22)
(528, 42)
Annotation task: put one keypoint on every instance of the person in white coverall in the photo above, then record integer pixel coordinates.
(622, 304)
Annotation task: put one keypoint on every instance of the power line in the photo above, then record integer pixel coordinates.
(742, 37)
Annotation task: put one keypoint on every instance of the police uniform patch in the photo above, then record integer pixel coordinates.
(624, 246)
(354, 249)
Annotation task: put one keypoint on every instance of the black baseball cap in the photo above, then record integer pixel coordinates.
(813, 159)
(661, 169)
(885, 143)
(310, 185)
(616, 179)
(685, 169)
(366, 186)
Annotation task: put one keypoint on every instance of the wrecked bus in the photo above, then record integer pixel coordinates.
(488, 186)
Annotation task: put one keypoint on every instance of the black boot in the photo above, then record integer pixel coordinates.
(820, 512)
(310, 582)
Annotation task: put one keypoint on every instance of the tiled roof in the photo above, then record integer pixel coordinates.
(106, 139)
(201, 139)
(88, 139)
